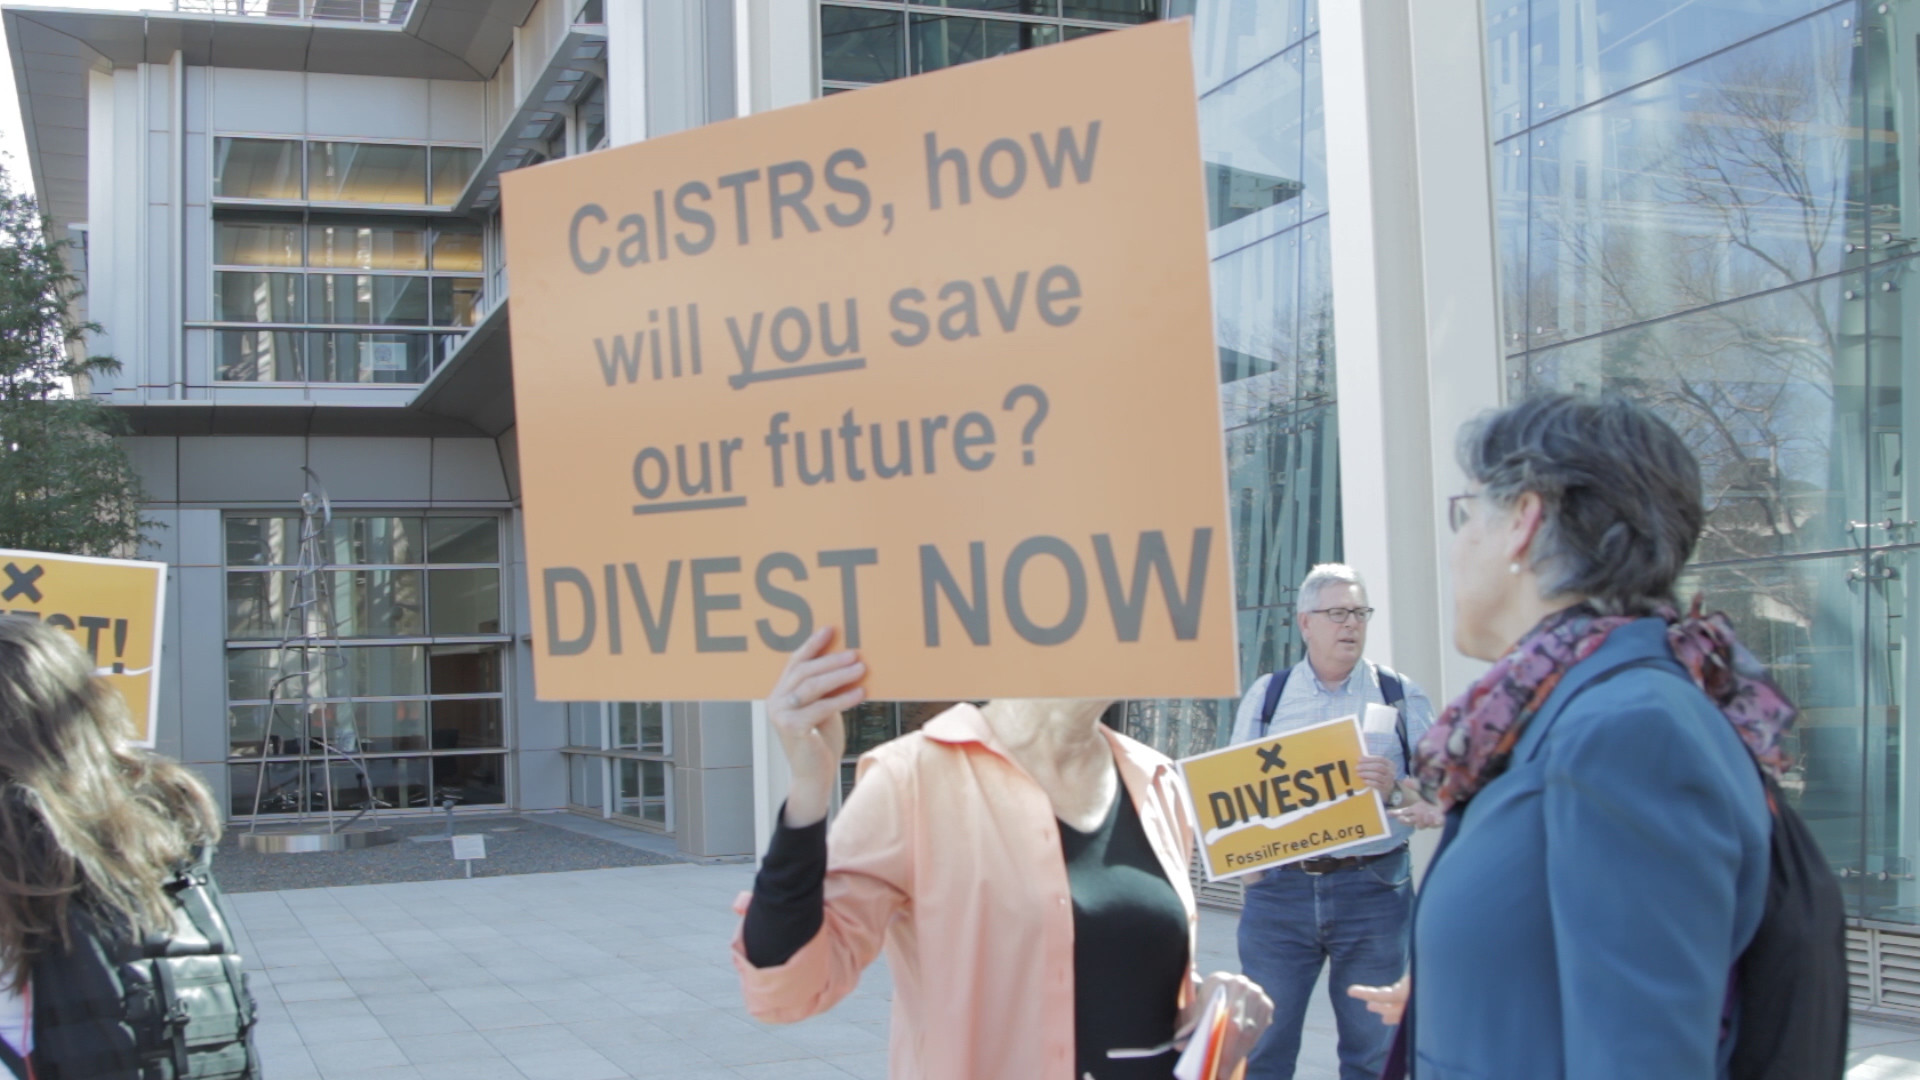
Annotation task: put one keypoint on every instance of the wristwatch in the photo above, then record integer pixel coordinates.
(1398, 798)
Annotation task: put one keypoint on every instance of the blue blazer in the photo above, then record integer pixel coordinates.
(1584, 919)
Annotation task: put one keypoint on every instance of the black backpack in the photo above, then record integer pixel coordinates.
(1790, 984)
(168, 1006)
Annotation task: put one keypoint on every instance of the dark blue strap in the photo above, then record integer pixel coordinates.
(1396, 695)
(1276, 685)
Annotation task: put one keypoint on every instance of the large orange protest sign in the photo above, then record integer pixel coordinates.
(931, 362)
(112, 607)
(1279, 800)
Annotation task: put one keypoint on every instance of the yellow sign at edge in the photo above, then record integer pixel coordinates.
(1296, 795)
(112, 607)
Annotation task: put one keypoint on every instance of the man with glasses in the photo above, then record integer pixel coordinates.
(1349, 910)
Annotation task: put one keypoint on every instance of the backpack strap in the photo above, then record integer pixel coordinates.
(1395, 693)
(1276, 685)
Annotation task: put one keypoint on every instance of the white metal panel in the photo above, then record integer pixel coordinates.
(245, 101)
(366, 106)
(456, 111)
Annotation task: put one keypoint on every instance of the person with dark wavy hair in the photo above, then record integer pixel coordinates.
(99, 840)
(1606, 857)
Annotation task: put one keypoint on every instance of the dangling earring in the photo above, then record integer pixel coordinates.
(1513, 568)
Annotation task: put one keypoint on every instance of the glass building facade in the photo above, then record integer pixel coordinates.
(1706, 207)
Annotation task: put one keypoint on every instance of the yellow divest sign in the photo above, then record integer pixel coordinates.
(112, 607)
(1297, 795)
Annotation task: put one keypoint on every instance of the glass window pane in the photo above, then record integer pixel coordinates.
(263, 541)
(586, 782)
(246, 727)
(463, 540)
(1250, 140)
(259, 356)
(1074, 33)
(402, 783)
(391, 726)
(453, 166)
(1015, 7)
(1313, 134)
(377, 603)
(1283, 480)
(1721, 180)
(464, 601)
(1580, 57)
(244, 296)
(1802, 619)
(378, 299)
(257, 242)
(368, 671)
(593, 117)
(1890, 891)
(1507, 62)
(640, 725)
(1758, 391)
(457, 247)
(456, 301)
(1118, 11)
(284, 791)
(583, 725)
(478, 779)
(858, 45)
(356, 357)
(642, 790)
(869, 724)
(258, 602)
(467, 669)
(366, 172)
(468, 724)
(1232, 36)
(256, 168)
(367, 246)
(941, 41)
(378, 539)
(1255, 293)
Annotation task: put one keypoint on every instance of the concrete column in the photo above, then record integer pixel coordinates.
(626, 73)
(777, 53)
(1416, 307)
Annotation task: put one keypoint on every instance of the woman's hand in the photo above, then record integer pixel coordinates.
(1418, 812)
(1388, 1002)
(804, 711)
(1249, 1011)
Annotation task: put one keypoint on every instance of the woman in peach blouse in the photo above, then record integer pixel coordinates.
(1025, 868)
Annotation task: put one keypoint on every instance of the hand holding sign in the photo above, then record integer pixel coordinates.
(112, 607)
(805, 711)
(1298, 795)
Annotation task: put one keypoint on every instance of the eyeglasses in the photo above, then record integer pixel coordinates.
(1341, 614)
(1457, 510)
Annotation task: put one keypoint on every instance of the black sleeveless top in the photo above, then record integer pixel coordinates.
(1129, 946)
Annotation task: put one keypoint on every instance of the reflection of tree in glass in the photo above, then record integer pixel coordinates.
(1751, 195)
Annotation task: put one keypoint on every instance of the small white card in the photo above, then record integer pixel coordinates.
(470, 846)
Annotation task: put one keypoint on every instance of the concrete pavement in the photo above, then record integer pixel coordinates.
(600, 975)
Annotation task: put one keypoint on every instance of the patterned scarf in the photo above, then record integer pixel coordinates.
(1472, 742)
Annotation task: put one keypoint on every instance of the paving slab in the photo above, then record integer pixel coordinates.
(604, 974)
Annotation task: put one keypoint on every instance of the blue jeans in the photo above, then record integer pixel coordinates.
(1356, 919)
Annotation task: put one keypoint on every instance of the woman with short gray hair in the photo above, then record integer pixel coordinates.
(1606, 855)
